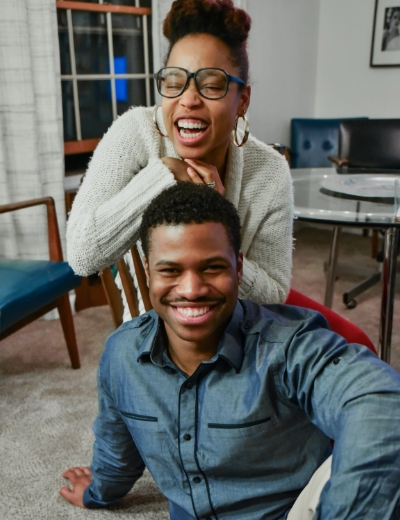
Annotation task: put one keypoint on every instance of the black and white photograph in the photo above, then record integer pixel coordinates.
(385, 50)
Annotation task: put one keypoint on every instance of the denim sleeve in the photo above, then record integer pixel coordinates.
(116, 463)
(354, 398)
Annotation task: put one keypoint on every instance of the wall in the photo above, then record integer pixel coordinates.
(346, 84)
(283, 65)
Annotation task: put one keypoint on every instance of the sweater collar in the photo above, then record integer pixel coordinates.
(234, 174)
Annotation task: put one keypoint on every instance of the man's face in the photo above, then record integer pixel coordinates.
(193, 279)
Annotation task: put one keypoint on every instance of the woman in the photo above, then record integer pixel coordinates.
(391, 31)
(205, 91)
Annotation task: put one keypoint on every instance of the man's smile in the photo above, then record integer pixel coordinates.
(189, 311)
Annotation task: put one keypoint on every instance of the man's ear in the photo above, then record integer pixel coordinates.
(239, 267)
(146, 270)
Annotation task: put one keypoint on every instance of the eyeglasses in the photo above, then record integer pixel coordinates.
(211, 83)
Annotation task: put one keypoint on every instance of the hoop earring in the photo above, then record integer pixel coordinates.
(155, 121)
(245, 130)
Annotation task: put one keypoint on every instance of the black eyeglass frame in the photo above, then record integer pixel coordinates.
(193, 75)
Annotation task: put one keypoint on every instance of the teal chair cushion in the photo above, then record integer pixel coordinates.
(27, 286)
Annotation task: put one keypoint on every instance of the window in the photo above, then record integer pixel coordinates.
(106, 64)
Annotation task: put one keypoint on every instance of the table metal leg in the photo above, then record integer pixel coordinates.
(331, 272)
(388, 291)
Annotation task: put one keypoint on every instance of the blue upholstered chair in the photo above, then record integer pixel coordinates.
(312, 140)
(31, 288)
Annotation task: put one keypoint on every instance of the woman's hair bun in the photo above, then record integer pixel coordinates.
(219, 18)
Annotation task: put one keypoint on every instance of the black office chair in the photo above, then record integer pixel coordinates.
(368, 146)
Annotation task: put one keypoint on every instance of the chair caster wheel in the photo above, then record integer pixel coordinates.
(352, 304)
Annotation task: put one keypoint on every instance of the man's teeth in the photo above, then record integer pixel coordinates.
(191, 313)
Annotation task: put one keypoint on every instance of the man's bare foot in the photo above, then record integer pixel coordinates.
(79, 478)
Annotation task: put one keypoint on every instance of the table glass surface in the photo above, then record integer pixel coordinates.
(323, 195)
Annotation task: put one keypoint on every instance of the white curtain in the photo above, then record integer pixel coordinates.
(160, 9)
(31, 133)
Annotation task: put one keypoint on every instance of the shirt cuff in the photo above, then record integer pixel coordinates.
(92, 503)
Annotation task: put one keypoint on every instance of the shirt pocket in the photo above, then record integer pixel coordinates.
(236, 449)
(145, 422)
(155, 447)
(232, 430)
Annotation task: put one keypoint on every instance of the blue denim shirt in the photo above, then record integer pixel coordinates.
(241, 437)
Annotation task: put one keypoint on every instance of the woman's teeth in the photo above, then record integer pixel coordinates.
(183, 126)
(191, 313)
(189, 136)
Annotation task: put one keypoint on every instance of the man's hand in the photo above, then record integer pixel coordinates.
(80, 478)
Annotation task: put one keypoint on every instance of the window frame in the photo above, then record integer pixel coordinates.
(72, 147)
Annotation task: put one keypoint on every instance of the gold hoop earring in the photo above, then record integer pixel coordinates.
(245, 130)
(155, 121)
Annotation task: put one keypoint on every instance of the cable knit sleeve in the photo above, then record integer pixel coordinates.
(266, 211)
(124, 175)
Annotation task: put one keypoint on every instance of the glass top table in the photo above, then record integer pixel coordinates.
(358, 200)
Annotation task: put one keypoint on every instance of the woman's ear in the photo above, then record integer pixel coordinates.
(244, 100)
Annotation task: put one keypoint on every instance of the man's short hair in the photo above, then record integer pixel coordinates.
(189, 203)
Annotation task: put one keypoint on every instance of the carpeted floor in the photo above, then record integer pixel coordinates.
(47, 409)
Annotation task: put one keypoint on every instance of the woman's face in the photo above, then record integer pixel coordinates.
(214, 118)
(395, 20)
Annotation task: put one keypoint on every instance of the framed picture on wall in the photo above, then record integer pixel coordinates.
(385, 49)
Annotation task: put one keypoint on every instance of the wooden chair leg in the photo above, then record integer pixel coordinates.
(64, 309)
(374, 243)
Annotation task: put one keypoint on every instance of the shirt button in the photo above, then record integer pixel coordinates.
(336, 361)
(189, 385)
(246, 325)
(197, 480)
(187, 436)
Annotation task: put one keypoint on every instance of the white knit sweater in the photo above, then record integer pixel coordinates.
(126, 173)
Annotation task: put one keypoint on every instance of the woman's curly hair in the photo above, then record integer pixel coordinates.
(220, 18)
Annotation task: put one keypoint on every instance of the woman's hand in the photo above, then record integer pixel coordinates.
(199, 172)
(79, 478)
(178, 168)
(203, 173)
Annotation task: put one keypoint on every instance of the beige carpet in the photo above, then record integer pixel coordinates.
(47, 409)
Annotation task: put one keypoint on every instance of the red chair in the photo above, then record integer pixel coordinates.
(345, 328)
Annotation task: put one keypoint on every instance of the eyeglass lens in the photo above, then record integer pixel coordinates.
(211, 83)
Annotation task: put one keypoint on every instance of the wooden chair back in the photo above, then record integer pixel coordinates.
(113, 294)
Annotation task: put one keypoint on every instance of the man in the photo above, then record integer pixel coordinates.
(231, 405)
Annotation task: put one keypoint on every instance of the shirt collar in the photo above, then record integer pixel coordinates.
(230, 348)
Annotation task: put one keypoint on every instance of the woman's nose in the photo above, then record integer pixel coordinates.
(190, 97)
(191, 286)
